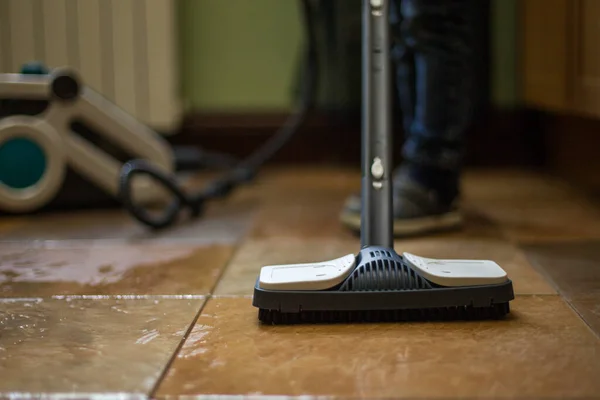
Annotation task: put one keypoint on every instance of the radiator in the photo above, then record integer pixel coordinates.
(124, 49)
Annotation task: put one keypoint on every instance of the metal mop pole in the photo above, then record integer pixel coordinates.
(376, 191)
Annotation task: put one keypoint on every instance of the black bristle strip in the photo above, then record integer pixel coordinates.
(466, 313)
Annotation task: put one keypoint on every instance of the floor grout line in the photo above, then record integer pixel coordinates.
(36, 244)
(163, 374)
(208, 297)
(73, 395)
(108, 297)
(567, 299)
(184, 297)
(581, 317)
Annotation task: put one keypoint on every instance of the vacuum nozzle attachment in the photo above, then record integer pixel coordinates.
(380, 285)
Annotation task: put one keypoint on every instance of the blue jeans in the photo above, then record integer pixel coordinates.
(432, 55)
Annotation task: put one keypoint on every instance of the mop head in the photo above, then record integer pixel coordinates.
(379, 285)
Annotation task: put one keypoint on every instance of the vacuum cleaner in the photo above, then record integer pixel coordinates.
(41, 142)
(378, 284)
(58, 135)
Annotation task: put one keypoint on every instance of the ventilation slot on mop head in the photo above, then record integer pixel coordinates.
(384, 274)
(383, 253)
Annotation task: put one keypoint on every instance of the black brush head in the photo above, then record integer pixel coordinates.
(383, 287)
(468, 313)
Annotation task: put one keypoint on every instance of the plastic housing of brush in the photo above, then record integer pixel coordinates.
(385, 284)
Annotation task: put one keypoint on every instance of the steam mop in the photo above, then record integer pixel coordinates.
(378, 284)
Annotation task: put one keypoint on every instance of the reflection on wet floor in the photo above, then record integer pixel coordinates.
(110, 268)
(89, 345)
(91, 305)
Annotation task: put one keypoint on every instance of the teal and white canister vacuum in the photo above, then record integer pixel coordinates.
(378, 284)
(37, 148)
(115, 153)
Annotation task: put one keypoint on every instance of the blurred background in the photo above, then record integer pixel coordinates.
(223, 75)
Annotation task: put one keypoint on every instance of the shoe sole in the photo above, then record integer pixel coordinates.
(416, 226)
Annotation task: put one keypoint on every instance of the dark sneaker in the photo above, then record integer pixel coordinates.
(416, 209)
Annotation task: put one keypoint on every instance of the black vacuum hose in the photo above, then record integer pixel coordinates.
(246, 170)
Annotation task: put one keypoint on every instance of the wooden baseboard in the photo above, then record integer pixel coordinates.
(574, 149)
(322, 138)
(497, 138)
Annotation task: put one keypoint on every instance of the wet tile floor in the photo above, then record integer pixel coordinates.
(93, 305)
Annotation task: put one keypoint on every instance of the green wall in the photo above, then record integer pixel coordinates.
(504, 52)
(243, 54)
(239, 54)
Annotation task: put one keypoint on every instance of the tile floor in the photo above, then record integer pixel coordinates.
(92, 304)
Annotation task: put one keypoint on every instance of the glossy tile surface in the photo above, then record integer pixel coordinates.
(225, 222)
(476, 225)
(514, 185)
(89, 345)
(53, 268)
(132, 307)
(242, 271)
(302, 214)
(317, 215)
(306, 203)
(531, 207)
(574, 269)
(528, 355)
(547, 220)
